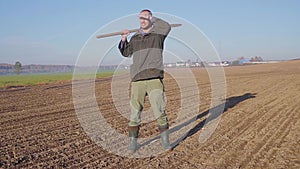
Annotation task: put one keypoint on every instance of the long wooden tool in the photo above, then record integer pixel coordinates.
(132, 30)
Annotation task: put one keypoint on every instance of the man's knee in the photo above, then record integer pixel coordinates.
(157, 100)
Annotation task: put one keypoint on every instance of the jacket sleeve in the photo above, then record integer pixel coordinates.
(161, 26)
(125, 48)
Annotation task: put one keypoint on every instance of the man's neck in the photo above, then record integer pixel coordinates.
(147, 30)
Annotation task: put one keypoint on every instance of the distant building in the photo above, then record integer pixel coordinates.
(170, 65)
(197, 64)
(241, 62)
(212, 64)
(180, 64)
(225, 63)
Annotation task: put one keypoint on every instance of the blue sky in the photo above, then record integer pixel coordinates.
(54, 31)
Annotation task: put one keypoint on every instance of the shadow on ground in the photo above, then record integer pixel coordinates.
(213, 113)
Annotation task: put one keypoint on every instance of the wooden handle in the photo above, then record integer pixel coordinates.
(131, 31)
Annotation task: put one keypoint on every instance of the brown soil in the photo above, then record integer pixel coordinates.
(260, 127)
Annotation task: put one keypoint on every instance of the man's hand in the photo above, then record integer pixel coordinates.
(146, 17)
(125, 33)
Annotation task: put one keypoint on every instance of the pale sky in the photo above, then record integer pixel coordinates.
(54, 31)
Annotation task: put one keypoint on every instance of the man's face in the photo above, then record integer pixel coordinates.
(145, 20)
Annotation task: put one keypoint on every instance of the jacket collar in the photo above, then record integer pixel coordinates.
(144, 33)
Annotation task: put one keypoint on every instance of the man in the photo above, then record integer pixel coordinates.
(146, 48)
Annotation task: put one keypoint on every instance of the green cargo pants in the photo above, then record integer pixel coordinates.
(155, 90)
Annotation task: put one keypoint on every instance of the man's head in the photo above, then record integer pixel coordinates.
(145, 17)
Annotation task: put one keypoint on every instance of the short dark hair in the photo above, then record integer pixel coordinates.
(146, 10)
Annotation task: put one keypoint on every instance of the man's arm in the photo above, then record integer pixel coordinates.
(124, 46)
(161, 26)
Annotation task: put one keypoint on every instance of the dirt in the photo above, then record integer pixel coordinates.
(260, 127)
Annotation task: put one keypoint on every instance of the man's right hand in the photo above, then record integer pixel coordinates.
(125, 33)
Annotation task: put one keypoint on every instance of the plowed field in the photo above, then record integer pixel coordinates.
(260, 127)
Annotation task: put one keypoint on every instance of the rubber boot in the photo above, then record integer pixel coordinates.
(164, 137)
(165, 140)
(132, 144)
(133, 137)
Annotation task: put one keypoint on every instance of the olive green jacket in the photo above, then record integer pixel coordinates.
(146, 49)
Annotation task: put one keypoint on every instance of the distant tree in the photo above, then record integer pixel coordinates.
(235, 63)
(256, 59)
(241, 58)
(18, 67)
